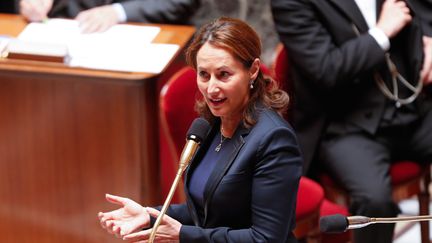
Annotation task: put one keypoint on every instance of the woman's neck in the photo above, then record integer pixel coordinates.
(229, 126)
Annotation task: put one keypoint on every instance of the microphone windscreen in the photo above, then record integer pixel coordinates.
(198, 130)
(336, 223)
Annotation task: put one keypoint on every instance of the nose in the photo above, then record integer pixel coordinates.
(213, 86)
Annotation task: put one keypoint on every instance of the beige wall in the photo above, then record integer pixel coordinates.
(255, 12)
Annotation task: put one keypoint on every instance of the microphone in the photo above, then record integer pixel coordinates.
(196, 134)
(338, 223)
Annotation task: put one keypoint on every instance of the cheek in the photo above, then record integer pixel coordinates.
(202, 87)
(242, 85)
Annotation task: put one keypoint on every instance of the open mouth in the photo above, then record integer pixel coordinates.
(217, 102)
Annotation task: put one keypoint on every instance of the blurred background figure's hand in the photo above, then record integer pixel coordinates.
(426, 72)
(393, 17)
(35, 10)
(97, 19)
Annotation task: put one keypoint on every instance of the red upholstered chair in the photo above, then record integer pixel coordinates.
(330, 208)
(408, 178)
(310, 196)
(280, 71)
(281, 68)
(177, 99)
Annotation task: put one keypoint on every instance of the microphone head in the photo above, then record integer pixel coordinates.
(336, 223)
(198, 130)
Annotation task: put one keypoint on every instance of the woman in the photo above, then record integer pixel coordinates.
(241, 186)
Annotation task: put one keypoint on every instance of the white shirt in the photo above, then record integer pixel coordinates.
(120, 12)
(368, 10)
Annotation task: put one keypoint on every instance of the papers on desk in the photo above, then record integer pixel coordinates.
(4, 41)
(121, 48)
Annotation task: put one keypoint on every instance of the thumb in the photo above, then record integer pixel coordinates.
(153, 212)
(115, 199)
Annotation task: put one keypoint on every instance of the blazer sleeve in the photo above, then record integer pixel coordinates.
(312, 48)
(158, 11)
(276, 175)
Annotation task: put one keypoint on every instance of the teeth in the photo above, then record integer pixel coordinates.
(217, 100)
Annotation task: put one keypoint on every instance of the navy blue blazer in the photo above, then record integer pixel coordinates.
(251, 194)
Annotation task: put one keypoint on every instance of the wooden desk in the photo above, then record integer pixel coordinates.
(70, 135)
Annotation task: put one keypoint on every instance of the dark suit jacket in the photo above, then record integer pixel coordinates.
(333, 67)
(251, 194)
(153, 11)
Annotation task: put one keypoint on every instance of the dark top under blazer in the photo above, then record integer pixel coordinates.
(333, 68)
(251, 194)
(148, 11)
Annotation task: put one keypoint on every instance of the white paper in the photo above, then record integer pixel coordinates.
(121, 48)
(149, 58)
(4, 41)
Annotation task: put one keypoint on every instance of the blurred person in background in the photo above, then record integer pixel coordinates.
(7, 6)
(99, 15)
(361, 72)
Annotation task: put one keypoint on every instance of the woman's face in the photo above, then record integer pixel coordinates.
(223, 81)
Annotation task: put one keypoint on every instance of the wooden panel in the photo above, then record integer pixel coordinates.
(64, 143)
(70, 135)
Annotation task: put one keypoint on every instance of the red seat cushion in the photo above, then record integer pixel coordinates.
(400, 172)
(309, 198)
(404, 171)
(329, 208)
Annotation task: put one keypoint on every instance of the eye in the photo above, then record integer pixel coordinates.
(224, 75)
(203, 75)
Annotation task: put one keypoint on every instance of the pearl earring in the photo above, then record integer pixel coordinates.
(251, 84)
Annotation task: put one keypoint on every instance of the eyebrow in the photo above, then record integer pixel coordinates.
(218, 69)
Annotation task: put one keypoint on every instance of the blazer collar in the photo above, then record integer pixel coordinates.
(227, 158)
(350, 9)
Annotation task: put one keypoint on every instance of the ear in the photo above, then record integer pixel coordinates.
(254, 69)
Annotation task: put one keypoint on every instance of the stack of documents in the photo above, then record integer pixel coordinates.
(121, 48)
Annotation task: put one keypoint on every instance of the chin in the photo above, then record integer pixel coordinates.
(215, 113)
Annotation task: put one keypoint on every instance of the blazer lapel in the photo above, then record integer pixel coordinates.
(222, 166)
(352, 12)
(198, 157)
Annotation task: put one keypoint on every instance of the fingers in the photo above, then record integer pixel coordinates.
(153, 212)
(34, 10)
(130, 217)
(117, 231)
(168, 230)
(138, 236)
(426, 72)
(104, 218)
(393, 17)
(116, 199)
(97, 19)
(145, 234)
(112, 226)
